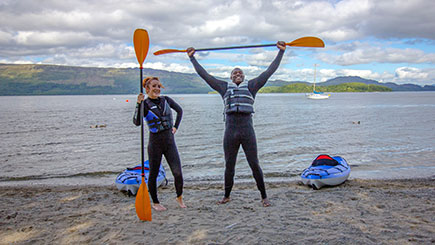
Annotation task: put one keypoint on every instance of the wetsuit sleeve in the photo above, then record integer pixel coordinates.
(257, 83)
(177, 108)
(136, 119)
(216, 84)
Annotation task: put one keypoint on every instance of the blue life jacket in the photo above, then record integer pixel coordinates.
(238, 99)
(158, 121)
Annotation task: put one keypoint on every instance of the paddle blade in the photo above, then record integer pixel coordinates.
(141, 43)
(143, 203)
(167, 51)
(308, 42)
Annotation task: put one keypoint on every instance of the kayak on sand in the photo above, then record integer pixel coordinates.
(130, 180)
(326, 171)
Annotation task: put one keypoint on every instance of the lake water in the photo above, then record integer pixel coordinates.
(49, 139)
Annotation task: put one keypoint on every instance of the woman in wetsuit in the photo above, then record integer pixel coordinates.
(239, 99)
(158, 116)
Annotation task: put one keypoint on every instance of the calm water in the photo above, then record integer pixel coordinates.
(49, 139)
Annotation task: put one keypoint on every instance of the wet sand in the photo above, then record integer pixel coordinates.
(358, 212)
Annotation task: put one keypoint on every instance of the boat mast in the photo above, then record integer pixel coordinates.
(315, 65)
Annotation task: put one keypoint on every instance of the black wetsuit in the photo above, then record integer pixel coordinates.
(162, 143)
(239, 128)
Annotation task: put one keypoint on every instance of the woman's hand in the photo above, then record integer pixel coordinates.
(140, 98)
(174, 130)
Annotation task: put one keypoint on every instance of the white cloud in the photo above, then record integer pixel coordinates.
(213, 26)
(410, 73)
(5, 38)
(365, 53)
(90, 33)
(17, 61)
(169, 67)
(50, 39)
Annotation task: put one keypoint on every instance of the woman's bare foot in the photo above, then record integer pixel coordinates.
(180, 202)
(224, 200)
(158, 207)
(265, 202)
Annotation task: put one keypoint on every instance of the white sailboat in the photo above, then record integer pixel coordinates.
(315, 95)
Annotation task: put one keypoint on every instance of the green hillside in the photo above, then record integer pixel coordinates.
(344, 87)
(52, 79)
(62, 80)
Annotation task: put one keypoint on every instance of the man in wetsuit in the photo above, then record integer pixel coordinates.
(239, 130)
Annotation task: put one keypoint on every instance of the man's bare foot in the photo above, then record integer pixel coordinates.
(265, 202)
(180, 202)
(224, 200)
(158, 207)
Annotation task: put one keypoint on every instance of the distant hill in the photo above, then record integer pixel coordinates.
(277, 83)
(343, 87)
(61, 80)
(356, 79)
(348, 79)
(393, 86)
(53, 79)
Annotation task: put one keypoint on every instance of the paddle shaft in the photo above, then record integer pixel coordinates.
(238, 47)
(141, 125)
(312, 42)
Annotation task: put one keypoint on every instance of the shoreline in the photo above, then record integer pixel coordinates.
(109, 180)
(360, 211)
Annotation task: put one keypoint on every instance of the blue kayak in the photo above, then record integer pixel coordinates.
(131, 178)
(326, 171)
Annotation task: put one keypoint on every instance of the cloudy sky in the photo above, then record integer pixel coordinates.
(388, 40)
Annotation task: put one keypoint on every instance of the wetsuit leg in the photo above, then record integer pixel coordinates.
(231, 148)
(173, 159)
(249, 145)
(155, 152)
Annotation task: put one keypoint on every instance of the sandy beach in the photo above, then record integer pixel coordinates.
(357, 212)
